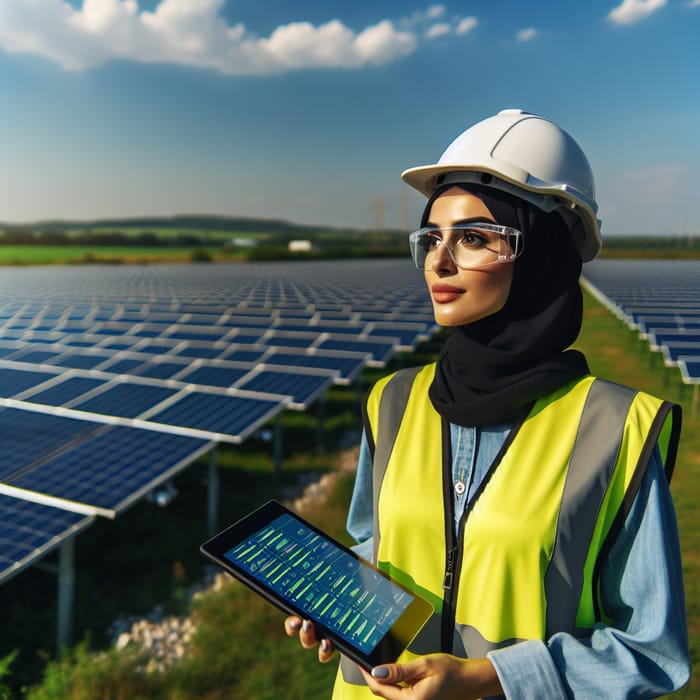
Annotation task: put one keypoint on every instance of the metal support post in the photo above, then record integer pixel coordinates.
(278, 445)
(66, 585)
(213, 495)
(320, 419)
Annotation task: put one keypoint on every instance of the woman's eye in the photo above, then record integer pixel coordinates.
(473, 240)
(430, 242)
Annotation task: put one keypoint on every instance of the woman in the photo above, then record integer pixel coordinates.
(527, 500)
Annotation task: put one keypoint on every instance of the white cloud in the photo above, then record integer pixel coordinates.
(189, 32)
(631, 11)
(435, 11)
(466, 25)
(694, 3)
(527, 34)
(421, 17)
(438, 30)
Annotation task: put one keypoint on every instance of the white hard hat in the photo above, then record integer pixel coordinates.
(528, 156)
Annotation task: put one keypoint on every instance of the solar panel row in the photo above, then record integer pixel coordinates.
(114, 379)
(661, 300)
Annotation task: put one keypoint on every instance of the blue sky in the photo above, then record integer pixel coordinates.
(310, 110)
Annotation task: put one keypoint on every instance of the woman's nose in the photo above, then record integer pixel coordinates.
(442, 259)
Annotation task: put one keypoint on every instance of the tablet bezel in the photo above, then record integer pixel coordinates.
(394, 641)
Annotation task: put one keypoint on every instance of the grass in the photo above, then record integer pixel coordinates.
(240, 650)
(63, 254)
(112, 255)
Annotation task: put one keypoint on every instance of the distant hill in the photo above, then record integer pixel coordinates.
(181, 221)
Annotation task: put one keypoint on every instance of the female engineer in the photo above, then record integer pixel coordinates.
(525, 498)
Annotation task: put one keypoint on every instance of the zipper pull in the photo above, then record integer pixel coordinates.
(449, 569)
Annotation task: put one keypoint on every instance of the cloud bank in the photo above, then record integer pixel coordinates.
(194, 33)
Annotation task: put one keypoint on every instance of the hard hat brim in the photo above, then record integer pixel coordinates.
(424, 179)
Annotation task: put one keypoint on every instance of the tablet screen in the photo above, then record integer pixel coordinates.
(310, 572)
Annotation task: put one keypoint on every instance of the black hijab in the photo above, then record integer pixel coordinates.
(491, 370)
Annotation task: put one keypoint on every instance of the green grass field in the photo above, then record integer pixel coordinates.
(239, 650)
(58, 255)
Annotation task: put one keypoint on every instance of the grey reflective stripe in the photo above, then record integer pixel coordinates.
(392, 406)
(469, 643)
(351, 671)
(591, 466)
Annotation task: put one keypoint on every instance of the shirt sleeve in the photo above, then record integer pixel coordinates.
(644, 652)
(360, 522)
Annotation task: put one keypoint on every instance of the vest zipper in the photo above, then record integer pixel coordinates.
(452, 545)
(449, 569)
(449, 584)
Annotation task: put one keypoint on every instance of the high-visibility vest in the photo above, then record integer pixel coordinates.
(526, 560)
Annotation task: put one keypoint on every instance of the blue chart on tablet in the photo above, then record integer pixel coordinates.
(337, 590)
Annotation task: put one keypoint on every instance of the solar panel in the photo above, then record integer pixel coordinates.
(675, 351)
(657, 340)
(27, 437)
(380, 351)
(36, 357)
(303, 389)
(31, 530)
(126, 400)
(347, 364)
(77, 360)
(211, 375)
(129, 463)
(121, 365)
(17, 381)
(66, 391)
(241, 354)
(156, 369)
(690, 369)
(232, 417)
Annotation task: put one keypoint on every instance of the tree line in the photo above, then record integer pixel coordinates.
(106, 238)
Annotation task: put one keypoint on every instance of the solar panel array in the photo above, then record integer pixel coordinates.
(660, 299)
(114, 378)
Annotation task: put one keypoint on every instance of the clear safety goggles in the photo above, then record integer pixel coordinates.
(469, 246)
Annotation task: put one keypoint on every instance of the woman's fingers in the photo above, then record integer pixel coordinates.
(292, 625)
(325, 651)
(307, 637)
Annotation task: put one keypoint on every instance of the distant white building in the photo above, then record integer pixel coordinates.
(242, 243)
(301, 246)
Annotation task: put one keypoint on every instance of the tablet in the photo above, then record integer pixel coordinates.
(294, 565)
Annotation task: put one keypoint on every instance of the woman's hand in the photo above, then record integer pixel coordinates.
(435, 676)
(307, 637)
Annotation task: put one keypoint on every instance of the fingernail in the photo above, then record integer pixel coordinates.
(306, 626)
(324, 644)
(380, 672)
(294, 625)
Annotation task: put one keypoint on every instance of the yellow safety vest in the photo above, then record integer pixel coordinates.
(526, 560)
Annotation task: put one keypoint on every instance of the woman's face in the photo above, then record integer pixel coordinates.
(464, 296)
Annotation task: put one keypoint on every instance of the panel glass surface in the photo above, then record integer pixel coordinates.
(111, 466)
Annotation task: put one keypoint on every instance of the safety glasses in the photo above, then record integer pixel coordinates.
(468, 246)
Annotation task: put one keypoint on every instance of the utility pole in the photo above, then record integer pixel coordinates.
(405, 212)
(379, 206)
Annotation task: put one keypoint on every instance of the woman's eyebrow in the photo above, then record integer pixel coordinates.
(464, 222)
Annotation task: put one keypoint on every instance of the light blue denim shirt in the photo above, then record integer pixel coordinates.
(645, 654)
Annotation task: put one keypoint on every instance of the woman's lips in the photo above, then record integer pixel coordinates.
(445, 293)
